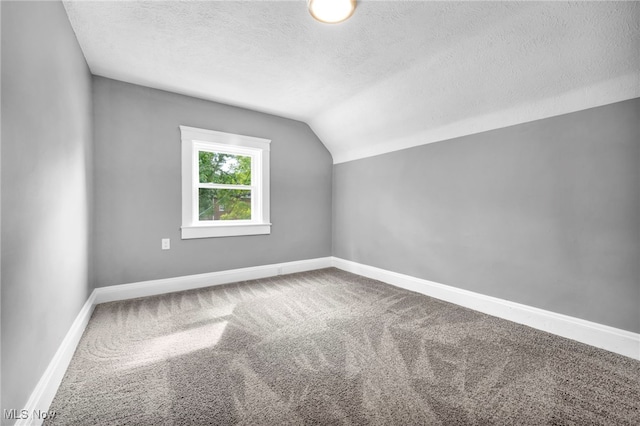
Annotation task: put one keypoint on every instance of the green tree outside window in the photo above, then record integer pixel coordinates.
(227, 169)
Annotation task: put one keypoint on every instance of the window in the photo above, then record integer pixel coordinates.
(225, 184)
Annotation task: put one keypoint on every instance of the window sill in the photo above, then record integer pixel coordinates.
(225, 230)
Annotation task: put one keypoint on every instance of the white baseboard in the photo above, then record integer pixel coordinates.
(609, 338)
(42, 396)
(190, 282)
(46, 389)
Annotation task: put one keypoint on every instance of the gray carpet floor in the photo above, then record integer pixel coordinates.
(329, 347)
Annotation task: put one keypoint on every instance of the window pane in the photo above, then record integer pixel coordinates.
(224, 204)
(217, 167)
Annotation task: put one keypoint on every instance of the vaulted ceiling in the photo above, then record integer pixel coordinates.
(397, 74)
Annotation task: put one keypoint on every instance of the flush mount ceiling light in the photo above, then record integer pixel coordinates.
(331, 11)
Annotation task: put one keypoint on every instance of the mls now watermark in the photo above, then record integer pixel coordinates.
(14, 414)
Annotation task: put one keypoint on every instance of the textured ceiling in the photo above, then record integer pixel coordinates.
(397, 74)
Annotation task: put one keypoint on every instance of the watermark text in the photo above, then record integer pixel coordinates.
(15, 414)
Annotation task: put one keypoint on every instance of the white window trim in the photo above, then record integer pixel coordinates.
(193, 140)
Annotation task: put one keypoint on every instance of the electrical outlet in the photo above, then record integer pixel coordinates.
(166, 244)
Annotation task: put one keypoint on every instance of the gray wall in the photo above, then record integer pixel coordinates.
(544, 213)
(46, 178)
(137, 187)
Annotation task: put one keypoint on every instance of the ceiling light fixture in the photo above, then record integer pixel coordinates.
(331, 11)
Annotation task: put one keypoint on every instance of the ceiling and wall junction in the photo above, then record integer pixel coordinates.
(395, 75)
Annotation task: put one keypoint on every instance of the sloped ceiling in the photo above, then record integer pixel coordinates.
(397, 74)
